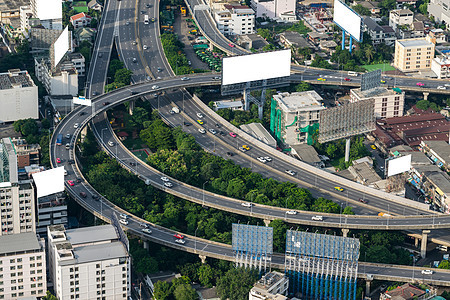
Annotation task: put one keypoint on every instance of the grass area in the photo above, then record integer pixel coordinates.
(141, 155)
(383, 67)
(131, 143)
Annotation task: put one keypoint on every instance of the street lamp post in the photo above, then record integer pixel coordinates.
(204, 192)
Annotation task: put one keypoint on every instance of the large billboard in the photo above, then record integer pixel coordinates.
(371, 80)
(399, 165)
(61, 46)
(253, 67)
(347, 19)
(49, 182)
(346, 120)
(252, 239)
(48, 9)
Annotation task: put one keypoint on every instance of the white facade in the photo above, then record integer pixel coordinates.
(63, 81)
(18, 96)
(388, 103)
(440, 10)
(234, 20)
(25, 14)
(88, 263)
(441, 67)
(78, 62)
(22, 266)
(272, 286)
(51, 210)
(272, 9)
(399, 17)
(80, 20)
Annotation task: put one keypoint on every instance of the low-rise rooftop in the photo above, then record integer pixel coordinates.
(299, 101)
(23, 242)
(15, 79)
(91, 234)
(375, 92)
(415, 43)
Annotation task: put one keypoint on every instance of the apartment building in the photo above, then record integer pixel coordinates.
(18, 96)
(441, 66)
(388, 103)
(292, 112)
(414, 54)
(27, 154)
(25, 15)
(88, 263)
(51, 210)
(235, 19)
(272, 9)
(17, 202)
(22, 266)
(440, 10)
(61, 81)
(374, 30)
(400, 17)
(272, 286)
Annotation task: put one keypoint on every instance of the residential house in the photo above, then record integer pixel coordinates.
(374, 30)
(400, 17)
(80, 20)
(95, 5)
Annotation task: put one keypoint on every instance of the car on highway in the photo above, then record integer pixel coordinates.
(347, 79)
(180, 242)
(153, 20)
(231, 45)
(168, 184)
(441, 87)
(127, 23)
(261, 159)
(218, 125)
(68, 136)
(321, 79)
(382, 81)
(290, 172)
(71, 161)
(123, 216)
(230, 154)
(420, 84)
(159, 70)
(317, 218)
(179, 236)
(427, 272)
(123, 222)
(222, 133)
(83, 194)
(94, 196)
(143, 225)
(132, 163)
(199, 115)
(247, 204)
(202, 130)
(338, 188)
(362, 200)
(58, 160)
(187, 124)
(65, 172)
(232, 134)
(246, 147)
(82, 113)
(267, 158)
(106, 103)
(146, 230)
(185, 78)
(145, 47)
(165, 179)
(134, 43)
(291, 212)
(78, 180)
(76, 125)
(200, 122)
(212, 131)
(111, 143)
(373, 147)
(155, 87)
(70, 182)
(134, 59)
(217, 78)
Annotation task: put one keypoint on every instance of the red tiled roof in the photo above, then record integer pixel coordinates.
(407, 291)
(414, 118)
(79, 16)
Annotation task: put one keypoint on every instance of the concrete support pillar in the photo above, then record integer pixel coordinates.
(368, 282)
(345, 232)
(83, 133)
(347, 150)
(211, 46)
(146, 245)
(425, 95)
(202, 258)
(246, 100)
(267, 222)
(260, 111)
(416, 242)
(423, 244)
(132, 104)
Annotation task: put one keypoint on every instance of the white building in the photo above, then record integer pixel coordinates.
(17, 211)
(399, 17)
(18, 96)
(272, 286)
(78, 62)
(273, 9)
(22, 266)
(25, 15)
(51, 210)
(235, 19)
(293, 112)
(388, 103)
(439, 9)
(49, 12)
(88, 263)
(441, 66)
(80, 20)
(62, 81)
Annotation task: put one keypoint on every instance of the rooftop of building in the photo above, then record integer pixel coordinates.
(91, 234)
(442, 60)
(375, 92)
(441, 180)
(442, 148)
(258, 131)
(423, 119)
(79, 16)
(12, 5)
(90, 253)
(295, 38)
(422, 169)
(298, 101)
(372, 25)
(414, 43)
(22, 242)
(406, 291)
(402, 12)
(364, 172)
(15, 79)
(239, 8)
(418, 26)
(257, 41)
(387, 29)
(306, 153)
(270, 279)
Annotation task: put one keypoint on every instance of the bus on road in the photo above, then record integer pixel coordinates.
(59, 140)
(146, 19)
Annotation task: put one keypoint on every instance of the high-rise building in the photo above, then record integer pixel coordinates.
(22, 266)
(235, 19)
(16, 197)
(414, 54)
(88, 263)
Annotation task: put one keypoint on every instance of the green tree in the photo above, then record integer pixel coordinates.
(348, 210)
(49, 296)
(423, 104)
(303, 86)
(361, 10)
(185, 292)
(161, 290)
(114, 66)
(236, 283)
(44, 143)
(423, 8)
(265, 34)
(123, 76)
(369, 52)
(45, 123)
(444, 264)
(332, 150)
(279, 235)
(206, 275)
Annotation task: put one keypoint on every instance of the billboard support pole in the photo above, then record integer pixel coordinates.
(350, 44)
(343, 39)
(347, 149)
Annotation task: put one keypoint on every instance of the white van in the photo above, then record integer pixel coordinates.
(352, 73)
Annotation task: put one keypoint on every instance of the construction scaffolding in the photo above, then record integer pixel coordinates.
(253, 246)
(321, 266)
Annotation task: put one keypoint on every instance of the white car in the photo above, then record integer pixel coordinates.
(185, 78)
(261, 159)
(123, 222)
(145, 47)
(317, 218)
(123, 216)
(202, 130)
(427, 272)
(68, 136)
(111, 143)
(212, 131)
(168, 184)
(165, 179)
(180, 241)
(199, 115)
(247, 204)
(291, 212)
(155, 87)
(290, 172)
(76, 125)
(146, 230)
(441, 87)
(267, 158)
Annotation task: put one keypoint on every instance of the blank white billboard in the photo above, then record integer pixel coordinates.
(62, 45)
(399, 165)
(49, 182)
(48, 9)
(245, 68)
(347, 19)
(82, 101)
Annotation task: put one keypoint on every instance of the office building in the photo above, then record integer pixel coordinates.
(17, 211)
(439, 9)
(441, 66)
(273, 286)
(414, 54)
(18, 96)
(388, 103)
(88, 263)
(235, 19)
(401, 18)
(292, 113)
(272, 9)
(22, 266)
